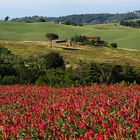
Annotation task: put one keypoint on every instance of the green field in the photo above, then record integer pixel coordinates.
(125, 37)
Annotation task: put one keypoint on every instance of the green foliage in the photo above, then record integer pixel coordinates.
(0, 80)
(129, 74)
(7, 69)
(85, 18)
(50, 70)
(28, 73)
(72, 23)
(4, 50)
(105, 73)
(98, 73)
(84, 40)
(80, 39)
(51, 36)
(6, 18)
(113, 45)
(53, 60)
(9, 80)
(57, 77)
(42, 80)
(131, 23)
(42, 19)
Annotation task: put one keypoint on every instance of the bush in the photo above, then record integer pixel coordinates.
(57, 78)
(41, 19)
(113, 45)
(0, 80)
(9, 80)
(42, 80)
(54, 60)
(7, 69)
(4, 50)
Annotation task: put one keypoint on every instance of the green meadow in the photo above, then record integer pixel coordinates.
(125, 37)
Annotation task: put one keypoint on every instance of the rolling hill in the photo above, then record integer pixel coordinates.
(125, 37)
(96, 18)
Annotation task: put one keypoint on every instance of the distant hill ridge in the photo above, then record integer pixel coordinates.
(84, 18)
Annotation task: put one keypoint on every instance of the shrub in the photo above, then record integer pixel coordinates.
(56, 78)
(0, 80)
(7, 69)
(54, 60)
(42, 80)
(41, 19)
(4, 50)
(113, 45)
(9, 80)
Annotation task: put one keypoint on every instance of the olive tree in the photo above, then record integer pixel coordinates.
(51, 36)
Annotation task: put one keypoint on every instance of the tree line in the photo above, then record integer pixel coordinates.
(79, 19)
(131, 23)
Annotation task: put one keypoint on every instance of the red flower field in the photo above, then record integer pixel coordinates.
(85, 113)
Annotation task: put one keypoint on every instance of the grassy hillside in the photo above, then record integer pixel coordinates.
(125, 37)
(75, 54)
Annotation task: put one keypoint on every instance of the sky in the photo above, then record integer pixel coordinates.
(55, 8)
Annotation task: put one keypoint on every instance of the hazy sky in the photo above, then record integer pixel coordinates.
(19, 8)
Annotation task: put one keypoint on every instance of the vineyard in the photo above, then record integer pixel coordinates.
(96, 112)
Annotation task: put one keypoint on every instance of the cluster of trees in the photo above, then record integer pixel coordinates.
(30, 19)
(131, 23)
(83, 18)
(82, 40)
(79, 39)
(17, 70)
(72, 23)
(96, 42)
(50, 70)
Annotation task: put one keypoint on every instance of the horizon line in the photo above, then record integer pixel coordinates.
(73, 14)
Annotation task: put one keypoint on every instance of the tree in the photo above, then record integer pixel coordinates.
(6, 70)
(67, 23)
(51, 36)
(70, 23)
(41, 19)
(54, 60)
(129, 74)
(6, 18)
